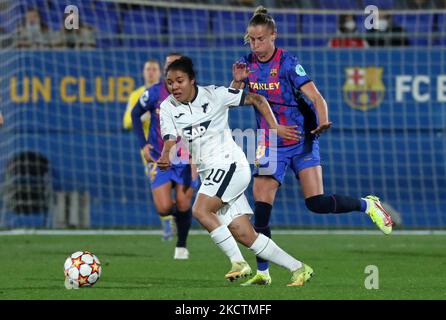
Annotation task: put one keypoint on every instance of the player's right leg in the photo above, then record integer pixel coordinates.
(161, 187)
(182, 176)
(204, 211)
(164, 205)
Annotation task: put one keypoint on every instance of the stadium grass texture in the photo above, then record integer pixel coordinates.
(142, 267)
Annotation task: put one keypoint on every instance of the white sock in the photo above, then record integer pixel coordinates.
(263, 272)
(367, 201)
(267, 249)
(226, 242)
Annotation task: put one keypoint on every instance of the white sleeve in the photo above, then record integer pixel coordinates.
(230, 97)
(167, 124)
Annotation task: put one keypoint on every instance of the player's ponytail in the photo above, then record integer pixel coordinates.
(260, 10)
(260, 17)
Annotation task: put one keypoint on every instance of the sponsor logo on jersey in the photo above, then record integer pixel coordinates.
(181, 114)
(300, 70)
(196, 131)
(264, 86)
(363, 87)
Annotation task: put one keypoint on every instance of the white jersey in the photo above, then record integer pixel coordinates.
(203, 125)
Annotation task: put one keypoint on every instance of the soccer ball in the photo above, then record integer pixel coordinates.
(81, 269)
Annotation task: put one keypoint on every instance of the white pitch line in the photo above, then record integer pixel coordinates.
(197, 232)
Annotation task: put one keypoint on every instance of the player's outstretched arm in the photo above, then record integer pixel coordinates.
(260, 102)
(310, 90)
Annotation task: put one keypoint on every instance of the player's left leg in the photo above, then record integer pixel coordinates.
(307, 168)
(317, 202)
(268, 176)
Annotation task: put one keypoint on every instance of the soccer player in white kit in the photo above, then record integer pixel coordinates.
(199, 115)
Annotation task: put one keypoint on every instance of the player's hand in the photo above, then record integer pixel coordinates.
(321, 128)
(163, 162)
(288, 132)
(146, 153)
(239, 72)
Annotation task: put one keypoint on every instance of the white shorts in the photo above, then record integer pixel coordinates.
(238, 208)
(228, 183)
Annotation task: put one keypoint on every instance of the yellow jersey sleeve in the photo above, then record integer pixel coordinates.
(127, 118)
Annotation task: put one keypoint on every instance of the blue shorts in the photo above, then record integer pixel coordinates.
(178, 174)
(274, 161)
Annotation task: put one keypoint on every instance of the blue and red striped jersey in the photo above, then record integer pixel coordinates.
(279, 80)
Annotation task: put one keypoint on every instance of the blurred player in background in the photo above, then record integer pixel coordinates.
(151, 75)
(281, 79)
(1, 118)
(199, 115)
(178, 177)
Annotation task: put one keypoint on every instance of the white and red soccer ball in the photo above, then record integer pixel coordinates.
(81, 269)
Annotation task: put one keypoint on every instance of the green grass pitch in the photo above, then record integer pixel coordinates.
(142, 267)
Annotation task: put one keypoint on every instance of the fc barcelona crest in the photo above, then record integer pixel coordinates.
(363, 87)
(273, 72)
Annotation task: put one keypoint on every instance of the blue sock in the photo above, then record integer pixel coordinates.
(183, 220)
(262, 213)
(166, 224)
(334, 204)
(262, 266)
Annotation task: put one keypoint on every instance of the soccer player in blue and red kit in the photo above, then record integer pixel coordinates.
(278, 75)
(179, 176)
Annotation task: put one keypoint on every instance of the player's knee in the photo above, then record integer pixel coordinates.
(199, 212)
(183, 204)
(244, 238)
(317, 204)
(245, 235)
(164, 206)
(164, 209)
(264, 189)
(183, 207)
